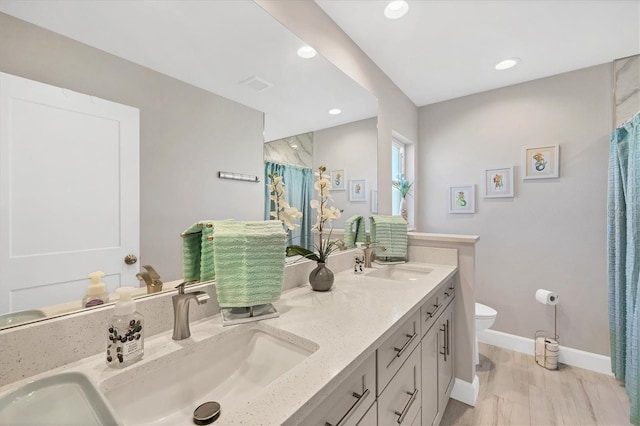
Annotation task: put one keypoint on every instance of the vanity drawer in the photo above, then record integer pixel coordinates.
(430, 311)
(350, 401)
(400, 401)
(393, 353)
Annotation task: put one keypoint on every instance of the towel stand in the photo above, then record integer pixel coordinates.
(240, 315)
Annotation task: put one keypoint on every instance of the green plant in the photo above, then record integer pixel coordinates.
(402, 185)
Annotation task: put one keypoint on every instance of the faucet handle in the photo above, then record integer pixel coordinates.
(152, 272)
(180, 287)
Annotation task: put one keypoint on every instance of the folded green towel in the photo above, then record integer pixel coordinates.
(351, 236)
(249, 262)
(390, 232)
(197, 251)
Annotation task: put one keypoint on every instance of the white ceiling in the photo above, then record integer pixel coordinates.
(214, 45)
(444, 49)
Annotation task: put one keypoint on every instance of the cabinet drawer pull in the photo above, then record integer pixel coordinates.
(402, 415)
(406, 345)
(359, 399)
(432, 313)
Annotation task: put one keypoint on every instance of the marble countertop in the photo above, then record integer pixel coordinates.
(347, 323)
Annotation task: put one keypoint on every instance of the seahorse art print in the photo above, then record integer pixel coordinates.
(460, 201)
(541, 163)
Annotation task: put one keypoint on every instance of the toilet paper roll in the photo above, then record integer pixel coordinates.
(546, 297)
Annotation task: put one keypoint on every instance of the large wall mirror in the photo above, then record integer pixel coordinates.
(212, 82)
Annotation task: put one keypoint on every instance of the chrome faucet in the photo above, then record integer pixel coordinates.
(181, 311)
(369, 252)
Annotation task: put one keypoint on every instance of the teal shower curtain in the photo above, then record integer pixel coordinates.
(624, 258)
(298, 186)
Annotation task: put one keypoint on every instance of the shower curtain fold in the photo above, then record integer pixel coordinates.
(624, 258)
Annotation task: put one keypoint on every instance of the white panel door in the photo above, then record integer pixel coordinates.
(69, 193)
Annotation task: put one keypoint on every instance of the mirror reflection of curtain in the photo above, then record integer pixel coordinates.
(624, 259)
(298, 185)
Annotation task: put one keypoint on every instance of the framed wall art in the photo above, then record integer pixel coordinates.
(541, 162)
(462, 199)
(358, 190)
(338, 181)
(497, 183)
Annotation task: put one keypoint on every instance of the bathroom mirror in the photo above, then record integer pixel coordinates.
(179, 155)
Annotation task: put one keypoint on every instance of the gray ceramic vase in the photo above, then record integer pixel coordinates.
(321, 278)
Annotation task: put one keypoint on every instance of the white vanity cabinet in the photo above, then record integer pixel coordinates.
(437, 360)
(351, 402)
(411, 374)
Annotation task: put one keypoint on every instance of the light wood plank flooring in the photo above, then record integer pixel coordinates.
(514, 390)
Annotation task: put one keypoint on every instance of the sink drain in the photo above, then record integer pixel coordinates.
(206, 413)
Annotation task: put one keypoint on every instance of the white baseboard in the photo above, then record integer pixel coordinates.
(466, 392)
(575, 357)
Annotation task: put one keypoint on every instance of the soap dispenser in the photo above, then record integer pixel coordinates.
(125, 331)
(96, 293)
(358, 259)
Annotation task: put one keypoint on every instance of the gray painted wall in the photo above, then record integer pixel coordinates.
(353, 148)
(187, 135)
(553, 233)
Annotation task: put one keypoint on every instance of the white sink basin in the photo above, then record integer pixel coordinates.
(61, 399)
(401, 272)
(229, 368)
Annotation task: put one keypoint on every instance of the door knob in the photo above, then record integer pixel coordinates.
(130, 259)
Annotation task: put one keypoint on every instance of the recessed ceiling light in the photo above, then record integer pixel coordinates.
(396, 9)
(507, 63)
(335, 111)
(306, 52)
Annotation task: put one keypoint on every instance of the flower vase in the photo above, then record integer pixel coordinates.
(403, 209)
(321, 278)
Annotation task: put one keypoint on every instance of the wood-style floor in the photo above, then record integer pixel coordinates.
(514, 390)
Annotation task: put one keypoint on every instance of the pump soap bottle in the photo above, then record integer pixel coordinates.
(125, 332)
(96, 293)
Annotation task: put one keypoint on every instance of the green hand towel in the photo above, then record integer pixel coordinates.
(249, 266)
(350, 235)
(390, 232)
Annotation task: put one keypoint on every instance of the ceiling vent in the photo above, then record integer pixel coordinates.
(256, 83)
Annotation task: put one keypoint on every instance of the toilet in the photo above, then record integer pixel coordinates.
(485, 317)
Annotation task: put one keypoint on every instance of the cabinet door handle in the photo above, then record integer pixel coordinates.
(406, 408)
(444, 342)
(406, 345)
(354, 407)
(448, 338)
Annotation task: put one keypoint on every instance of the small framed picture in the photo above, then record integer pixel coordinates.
(374, 201)
(358, 190)
(338, 181)
(462, 199)
(498, 183)
(541, 162)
